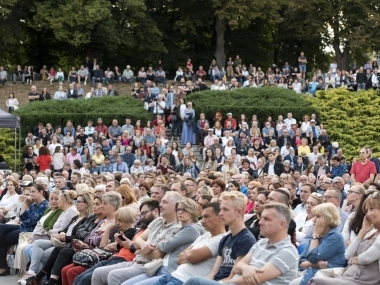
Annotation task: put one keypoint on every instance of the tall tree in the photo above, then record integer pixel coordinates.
(346, 26)
(239, 14)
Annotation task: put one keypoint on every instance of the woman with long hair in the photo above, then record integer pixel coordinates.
(12, 102)
(58, 159)
(356, 197)
(44, 159)
(144, 147)
(128, 198)
(252, 220)
(85, 157)
(210, 163)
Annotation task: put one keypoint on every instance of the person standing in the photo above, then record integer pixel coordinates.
(188, 131)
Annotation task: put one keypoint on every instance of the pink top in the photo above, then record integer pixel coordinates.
(70, 158)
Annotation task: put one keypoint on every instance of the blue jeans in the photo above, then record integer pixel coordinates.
(144, 279)
(85, 277)
(176, 125)
(361, 86)
(302, 67)
(168, 279)
(101, 80)
(128, 80)
(200, 281)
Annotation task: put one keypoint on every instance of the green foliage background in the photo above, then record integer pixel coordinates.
(351, 118)
(7, 141)
(79, 112)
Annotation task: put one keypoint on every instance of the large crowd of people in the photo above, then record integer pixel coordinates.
(273, 202)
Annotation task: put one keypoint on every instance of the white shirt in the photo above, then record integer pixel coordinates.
(271, 169)
(289, 122)
(301, 208)
(313, 157)
(284, 151)
(53, 146)
(187, 270)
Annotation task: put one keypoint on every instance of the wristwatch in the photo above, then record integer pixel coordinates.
(316, 237)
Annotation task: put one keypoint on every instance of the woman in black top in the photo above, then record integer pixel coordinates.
(154, 154)
(252, 224)
(45, 95)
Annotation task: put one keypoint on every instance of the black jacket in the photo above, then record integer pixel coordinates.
(278, 168)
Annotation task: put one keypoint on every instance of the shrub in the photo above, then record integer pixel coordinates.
(351, 118)
(79, 112)
(263, 102)
(7, 142)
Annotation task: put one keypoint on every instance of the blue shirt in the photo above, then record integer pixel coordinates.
(122, 167)
(337, 171)
(32, 215)
(331, 249)
(230, 248)
(244, 190)
(105, 168)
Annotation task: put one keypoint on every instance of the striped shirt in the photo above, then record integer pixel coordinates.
(283, 255)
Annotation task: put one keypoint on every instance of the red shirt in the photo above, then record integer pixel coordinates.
(102, 129)
(44, 162)
(363, 172)
(233, 123)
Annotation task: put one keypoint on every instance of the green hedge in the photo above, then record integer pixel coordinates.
(263, 102)
(7, 141)
(351, 118)
(57, 112)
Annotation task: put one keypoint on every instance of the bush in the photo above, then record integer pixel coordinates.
(351, 118)
(79, 112)
(7, 142)
(263, 102)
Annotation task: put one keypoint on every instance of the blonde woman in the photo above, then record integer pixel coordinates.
(304, 221)
(204, 191)
(128, 198)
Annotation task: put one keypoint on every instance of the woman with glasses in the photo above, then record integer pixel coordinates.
(43, 248)
(144, 190)
(356, 197)
(187, 214)
(304, 220)
(326, 248)
(363, 253)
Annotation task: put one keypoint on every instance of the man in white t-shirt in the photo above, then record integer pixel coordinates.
(54, 143)
(199, 258)
(289, 121)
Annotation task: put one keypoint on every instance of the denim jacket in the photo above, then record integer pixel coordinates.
(331, 248)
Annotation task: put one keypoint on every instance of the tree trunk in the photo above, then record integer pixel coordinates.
(220, 55)
(341, 57)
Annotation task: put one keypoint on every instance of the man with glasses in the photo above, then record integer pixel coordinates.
(338, 184)
(191, 186)
(306, 190)
(334, 197)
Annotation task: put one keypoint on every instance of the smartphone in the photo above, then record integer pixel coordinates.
(121, 236)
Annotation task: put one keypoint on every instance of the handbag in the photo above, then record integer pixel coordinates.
(90, 257)
(79, 245)
(152, 267)
(57, 243)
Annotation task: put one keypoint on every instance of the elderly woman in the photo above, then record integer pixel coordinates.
(43, 248)
(187, 214)
(326, 249)
(32, 210)
(363, 253)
